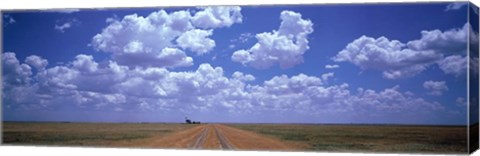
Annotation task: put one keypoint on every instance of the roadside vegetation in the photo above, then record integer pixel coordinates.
(368, 138)
(88, 134)
(338, 138)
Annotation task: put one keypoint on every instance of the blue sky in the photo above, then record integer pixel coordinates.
(369, 63)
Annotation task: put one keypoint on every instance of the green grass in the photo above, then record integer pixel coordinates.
(368, 138)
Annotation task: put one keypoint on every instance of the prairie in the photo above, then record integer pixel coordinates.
(85, 134)
(368, 138)
(305, 137)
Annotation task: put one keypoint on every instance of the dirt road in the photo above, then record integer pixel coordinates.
(215, 136)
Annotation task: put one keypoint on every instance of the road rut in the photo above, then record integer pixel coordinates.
(215, 136)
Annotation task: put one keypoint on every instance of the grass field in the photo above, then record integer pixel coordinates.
(369, 138)
(88, 134)
(339, 138)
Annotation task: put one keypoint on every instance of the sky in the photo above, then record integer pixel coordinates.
(350, 63)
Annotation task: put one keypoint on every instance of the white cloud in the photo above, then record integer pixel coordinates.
(112, 19)
(37, 62)
(332, 66)
(297, 83)
(62, 27)
(102, 100)
(399, 60)
(240, 76)
(300, 93)
(197, 41)
(133, 47)
(455, 6)
(435, 87)
(389, 56)
(14, 72)
(306, 94)
(85, 63)
(404, 73)
(453, 41)
(327, 76)
(217, 17)
(59, 77)
(284, 46)
(154, 40)
(454, 64)
(140, 30)
(392, 100)
(146, 41)
(242, 56)
(167, 57)
(86, 84)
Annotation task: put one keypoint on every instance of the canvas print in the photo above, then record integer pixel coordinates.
(378, 77)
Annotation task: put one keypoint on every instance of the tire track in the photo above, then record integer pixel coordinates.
(224, 143)
(215, 136)
(200, 139)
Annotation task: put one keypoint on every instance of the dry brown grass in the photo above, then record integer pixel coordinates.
(339, 138)
(369, 138)
(83, 134)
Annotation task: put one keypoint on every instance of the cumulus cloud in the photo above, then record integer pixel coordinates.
(305, 93)
(399, 60)
(37, 62)
(88, 84)
(59, 77)
(284, 46)
(217, 17)
(452, 41)
(240, 76)
(389, 56)
(197, 41)
(284, 84)
(455, 6)
(143, 39)
(84, 83)
(435, 87)
(85, 63)
(391, 99)
(454, 64)
(14, 72)
(332, 66)
(161, 39)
